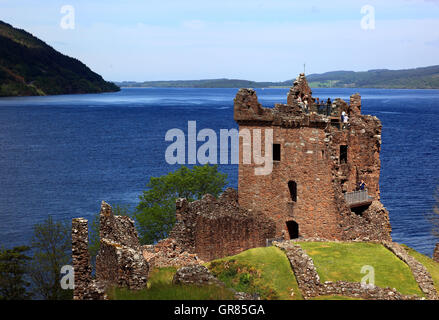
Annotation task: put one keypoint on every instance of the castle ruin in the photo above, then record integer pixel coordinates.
(318, 162)
(311, 193)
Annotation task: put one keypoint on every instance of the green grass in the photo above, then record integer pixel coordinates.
(432, 266)
(343, 261)
(266, 271)
(160, 287)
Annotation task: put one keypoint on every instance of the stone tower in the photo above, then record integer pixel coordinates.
(318, 163)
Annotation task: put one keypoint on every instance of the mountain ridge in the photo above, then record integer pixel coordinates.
(29, 66)
(415, 78)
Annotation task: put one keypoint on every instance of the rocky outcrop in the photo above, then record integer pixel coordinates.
(310, 285)
(421, 274)
(214, 228)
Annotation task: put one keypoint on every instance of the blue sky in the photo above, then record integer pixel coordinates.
(255, 40)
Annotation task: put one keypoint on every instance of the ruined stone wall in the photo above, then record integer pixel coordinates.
(80, 257)
(363, 138)
(214, 228)
(167, 253)
(119, 261)
(300, 88)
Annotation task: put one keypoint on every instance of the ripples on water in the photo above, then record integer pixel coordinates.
(62, 155)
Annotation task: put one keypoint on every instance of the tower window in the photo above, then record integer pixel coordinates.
(292, 186)
(343, 154)
(276, 152)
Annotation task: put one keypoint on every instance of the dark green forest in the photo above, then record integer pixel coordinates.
(28, 66)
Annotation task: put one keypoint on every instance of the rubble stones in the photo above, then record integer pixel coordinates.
(166, 253)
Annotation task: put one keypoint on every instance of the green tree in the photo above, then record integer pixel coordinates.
(13, 264)
(51, 243)
(155, 213)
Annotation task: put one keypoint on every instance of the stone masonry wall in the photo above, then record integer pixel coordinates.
(310, 156)
(303, 160)
(167, 253)
(80, 257)
(119, 261)
(213, 228)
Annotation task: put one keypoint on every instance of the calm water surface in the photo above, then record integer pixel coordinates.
(63, 155)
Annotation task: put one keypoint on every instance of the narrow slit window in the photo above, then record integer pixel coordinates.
(276, 152)
(292, 186)
(343, 154)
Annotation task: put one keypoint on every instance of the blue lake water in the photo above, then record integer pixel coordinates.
(63, 155)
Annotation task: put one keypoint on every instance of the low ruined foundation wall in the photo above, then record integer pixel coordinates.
(311, 286)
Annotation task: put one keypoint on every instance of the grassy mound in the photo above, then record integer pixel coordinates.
(265, 271)
(343, 261)
(160, 287)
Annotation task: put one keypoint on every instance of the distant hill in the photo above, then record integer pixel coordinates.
(419, 78)
(208, 83)
(28, 66)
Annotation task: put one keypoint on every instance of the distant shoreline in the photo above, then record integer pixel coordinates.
(417, 78)
(140, 87)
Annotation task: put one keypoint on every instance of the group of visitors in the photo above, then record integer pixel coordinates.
(305, 102)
